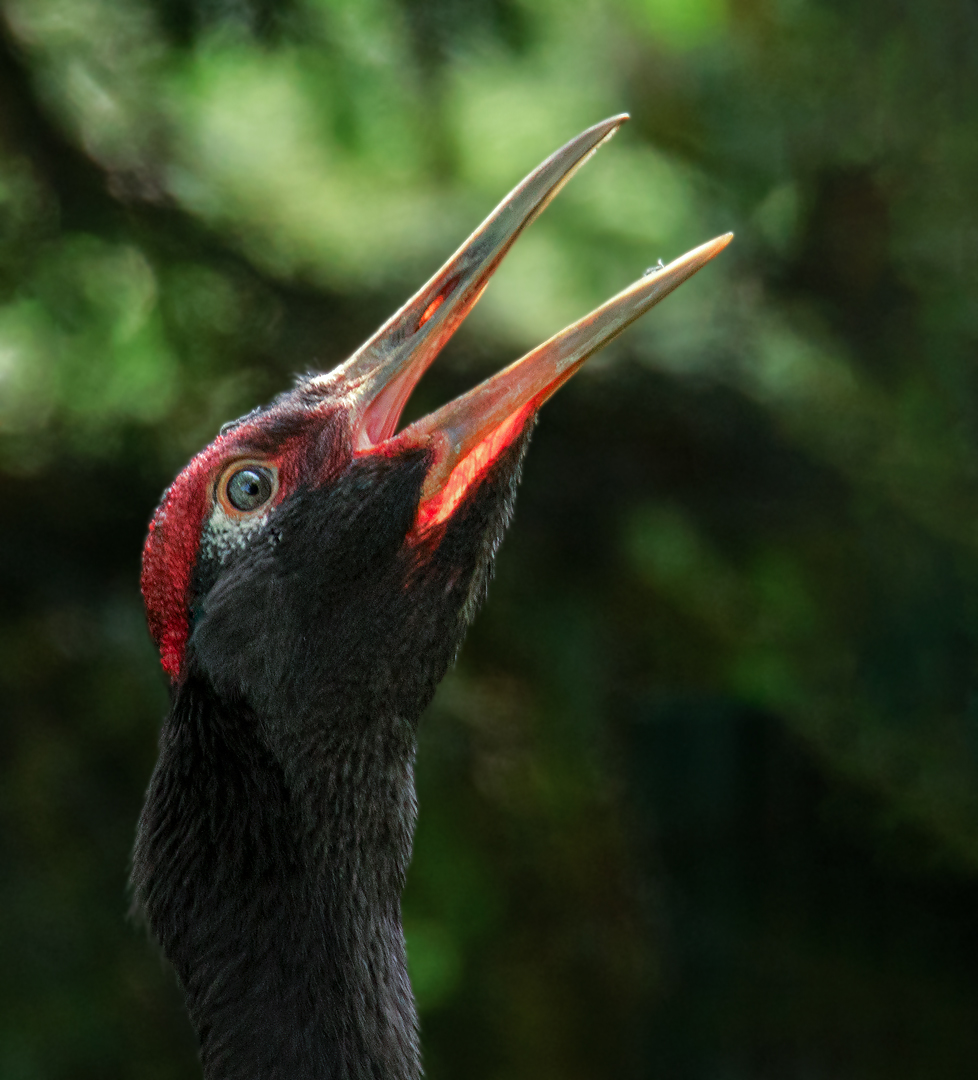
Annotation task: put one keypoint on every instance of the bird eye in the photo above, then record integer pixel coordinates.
(249, 487)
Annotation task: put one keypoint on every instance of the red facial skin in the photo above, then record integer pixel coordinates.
(170, 552)
(312, 453)
(173, 540)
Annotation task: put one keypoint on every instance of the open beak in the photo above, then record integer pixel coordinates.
(467, 434)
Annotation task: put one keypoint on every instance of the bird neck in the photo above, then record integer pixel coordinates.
(273, 884)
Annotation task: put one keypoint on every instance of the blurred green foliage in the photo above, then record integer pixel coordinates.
(701, 798)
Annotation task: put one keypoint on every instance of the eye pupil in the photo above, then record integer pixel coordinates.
(249, 488)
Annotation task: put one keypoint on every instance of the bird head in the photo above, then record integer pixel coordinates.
(313, 545)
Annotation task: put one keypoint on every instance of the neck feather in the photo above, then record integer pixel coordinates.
(274, 888)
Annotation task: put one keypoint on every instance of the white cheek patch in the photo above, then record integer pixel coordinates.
(224, 535)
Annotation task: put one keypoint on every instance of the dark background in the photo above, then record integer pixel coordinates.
(701, 798)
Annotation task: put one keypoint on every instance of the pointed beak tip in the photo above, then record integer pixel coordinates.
(609, 128)
(700, 256)
(717, 244)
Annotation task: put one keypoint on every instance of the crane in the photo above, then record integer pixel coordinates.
(308, 579)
